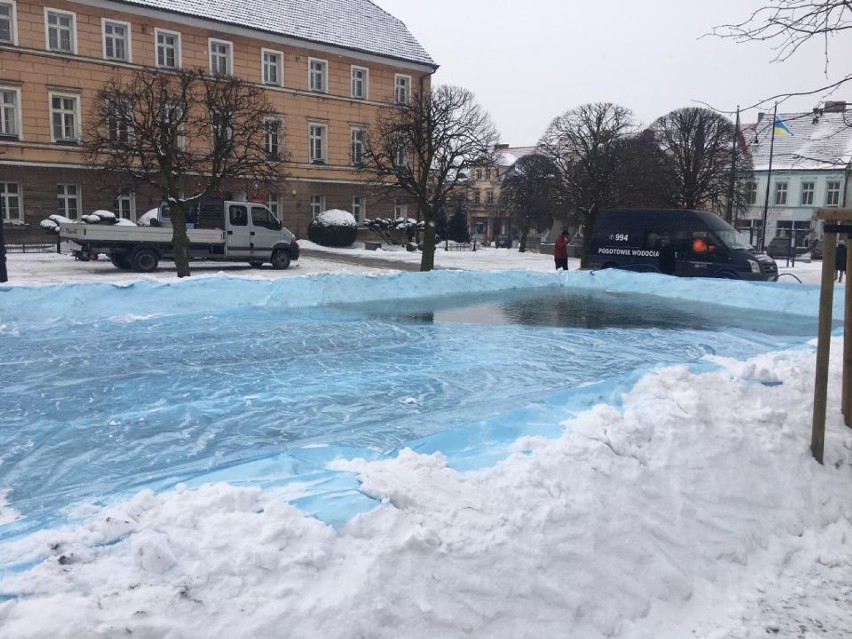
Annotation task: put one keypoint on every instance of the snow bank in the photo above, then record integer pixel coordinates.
(680, 515)
(89, 302)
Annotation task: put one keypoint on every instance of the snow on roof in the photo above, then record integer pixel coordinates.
(822, 144)
(508, 156)
(353, 24)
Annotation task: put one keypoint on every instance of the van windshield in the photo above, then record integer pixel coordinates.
(734, 240)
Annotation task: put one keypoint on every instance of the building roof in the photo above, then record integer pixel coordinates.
(509, 155)
(817, 141)
(352, 24)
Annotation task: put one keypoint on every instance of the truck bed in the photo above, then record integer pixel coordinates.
(116, 235)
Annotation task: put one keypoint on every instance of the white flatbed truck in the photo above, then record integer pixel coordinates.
(224, 231)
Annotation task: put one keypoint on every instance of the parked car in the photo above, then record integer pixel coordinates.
(783, 247)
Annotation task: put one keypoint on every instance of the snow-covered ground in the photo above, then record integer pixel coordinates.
(690, 507)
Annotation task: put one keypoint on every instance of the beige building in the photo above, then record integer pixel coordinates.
(326, 67)
(488, 218)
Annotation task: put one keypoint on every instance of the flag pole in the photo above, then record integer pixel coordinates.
(729, 214)
(768, 179)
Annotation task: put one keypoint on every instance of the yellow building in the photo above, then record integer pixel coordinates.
(326, 67)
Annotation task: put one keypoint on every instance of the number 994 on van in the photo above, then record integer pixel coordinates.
(676, 242)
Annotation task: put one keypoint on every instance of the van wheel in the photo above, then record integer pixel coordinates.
(727, 275)
(120, 261)
(255, 264)
(280, 259)
(145, 260)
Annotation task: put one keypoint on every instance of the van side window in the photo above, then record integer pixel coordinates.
(263, 218)
(239, 215)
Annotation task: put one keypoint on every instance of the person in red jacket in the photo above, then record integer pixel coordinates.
(560, 251)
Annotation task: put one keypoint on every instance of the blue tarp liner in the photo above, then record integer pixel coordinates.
(107, 389)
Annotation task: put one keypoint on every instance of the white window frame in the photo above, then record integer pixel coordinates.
(401, 88)
(752, 192)
(228, 56)
(279, 131)
(278, 66)
(13, 22)
(400, 210)
(128, 48)
(75, 112)
(157, 46)
(66, 197)
(317, 143)
(181, 141)
(321, 73)
(15, 108)
(116, 132)
(126, 198)
(832, 192)
(317, 205)
(6, 197)
(72, 29)
(357, 137)
(809, 190)
(402, 156)
(363, 82)
(359, 208)
(273, 203)
(781, 193)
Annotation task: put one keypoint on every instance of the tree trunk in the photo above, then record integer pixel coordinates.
(525, 231)
(180, 240)
(427, 261)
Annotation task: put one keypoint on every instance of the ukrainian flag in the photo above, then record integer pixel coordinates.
(781, 127)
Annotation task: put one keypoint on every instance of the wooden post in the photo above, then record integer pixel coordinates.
(846, 401)
(826, 301)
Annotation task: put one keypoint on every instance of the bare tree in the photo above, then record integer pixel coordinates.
(644, 178)
(186, 134)
(532, 192)
(788, 25)
(425, 147)
(586, 147)
(699, 144)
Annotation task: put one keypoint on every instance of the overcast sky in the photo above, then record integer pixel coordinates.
(528, 62)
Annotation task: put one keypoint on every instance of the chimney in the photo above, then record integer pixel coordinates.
(760, 117)
(836, 106)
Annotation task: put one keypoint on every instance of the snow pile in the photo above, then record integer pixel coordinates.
(696, 510)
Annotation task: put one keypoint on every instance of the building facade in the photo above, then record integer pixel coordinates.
(326, 68)
(810, 169)
(488, 217)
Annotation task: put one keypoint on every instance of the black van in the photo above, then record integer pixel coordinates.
(676, 242)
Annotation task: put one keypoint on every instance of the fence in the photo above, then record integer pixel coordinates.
(33, 247)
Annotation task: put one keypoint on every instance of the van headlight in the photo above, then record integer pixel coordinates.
(755, 266)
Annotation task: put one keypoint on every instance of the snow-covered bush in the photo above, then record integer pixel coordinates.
(145, 220)
(333, 228)
(398, 232)
(52, 223)
(101, 217)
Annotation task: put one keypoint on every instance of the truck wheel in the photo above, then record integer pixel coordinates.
(255, 264)
(145, 260)
(727, 275)
(280, 259)
(121, 261)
